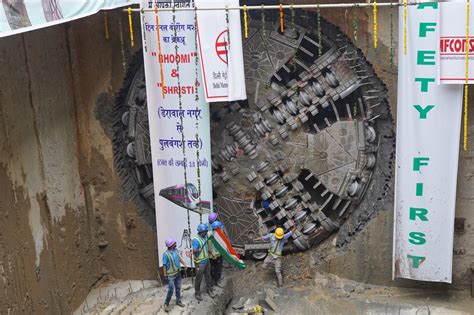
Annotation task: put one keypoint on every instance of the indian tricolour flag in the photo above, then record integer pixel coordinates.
(222, 244)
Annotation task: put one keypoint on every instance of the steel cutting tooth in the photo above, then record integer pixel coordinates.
(272, 179)
(291, 107)
(290, 203)
(259, 185)
(304, 98)
(131, 149)
(262, 166)
(301, 215)
(274, 140)
(309, 228)
(275, 205)
(370, 134)
(281, 192)
(306, 197)
(252, 176)
(370, 161)
(297, 186)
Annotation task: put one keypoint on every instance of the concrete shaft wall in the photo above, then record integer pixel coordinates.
(65, 224)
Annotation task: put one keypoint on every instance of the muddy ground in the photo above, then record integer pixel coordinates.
(308, 291)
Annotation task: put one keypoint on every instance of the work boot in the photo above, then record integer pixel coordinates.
(167, 308)
(180, 304)
(198, 296)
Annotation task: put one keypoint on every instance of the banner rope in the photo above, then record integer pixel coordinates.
(162, 76)
(106, 25)
(391, 35)
(246, 26)
(292, 10)
(180, 104)
(130, 25)
(320, 41)
(466, 99)
(196, 100)
(375, 23)
(122, 49)
(355, 24)
(296, 6)
(405, 15)
(228, 34)
(144, 32)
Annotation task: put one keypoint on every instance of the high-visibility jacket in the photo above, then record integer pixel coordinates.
(172, 270)
(203, 251)
(275, 248)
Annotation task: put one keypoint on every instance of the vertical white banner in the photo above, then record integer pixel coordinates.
(220, 44)
(428, 128)
(177, 122)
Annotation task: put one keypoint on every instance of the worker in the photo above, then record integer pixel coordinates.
(172, 271)
(277, 241)
(213, 218)
(216, 259)
(201, 259)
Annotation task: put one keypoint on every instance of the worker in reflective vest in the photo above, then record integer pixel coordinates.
(172, 271)
(277, 241)
(214, 255)
(201, 260)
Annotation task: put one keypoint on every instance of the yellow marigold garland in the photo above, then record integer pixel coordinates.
(375, 23)
(162, 77)
(130, 25)
(282, 20)
(246, 26)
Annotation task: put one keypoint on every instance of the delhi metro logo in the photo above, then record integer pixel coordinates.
(222, 45)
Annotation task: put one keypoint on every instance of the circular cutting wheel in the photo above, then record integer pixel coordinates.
(302, 151)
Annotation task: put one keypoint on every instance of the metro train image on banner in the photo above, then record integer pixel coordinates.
(186, 196)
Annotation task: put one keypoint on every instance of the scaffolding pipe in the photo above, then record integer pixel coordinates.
(285, 6)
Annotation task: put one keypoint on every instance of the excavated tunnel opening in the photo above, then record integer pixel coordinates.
(311, 147)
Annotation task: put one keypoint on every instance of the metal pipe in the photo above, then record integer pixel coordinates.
(286, 6)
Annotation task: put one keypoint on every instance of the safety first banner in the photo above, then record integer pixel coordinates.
(220, 45)
(452, 43)
(179, 124)
(17, 16)
(428, 128)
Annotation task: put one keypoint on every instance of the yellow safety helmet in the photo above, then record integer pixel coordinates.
(279, 233)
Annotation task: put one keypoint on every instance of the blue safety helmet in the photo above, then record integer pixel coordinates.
(216, 225)
(202, 228)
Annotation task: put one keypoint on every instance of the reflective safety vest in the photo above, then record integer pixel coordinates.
(213, 252)
(203, 251)
(275, 248)
(173, 269)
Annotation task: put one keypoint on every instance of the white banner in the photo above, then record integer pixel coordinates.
(170, 118)
(452, 43)
(428, 128)
(222, 59)
(20, 16)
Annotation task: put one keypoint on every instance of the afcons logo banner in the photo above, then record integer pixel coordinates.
(453, 44)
